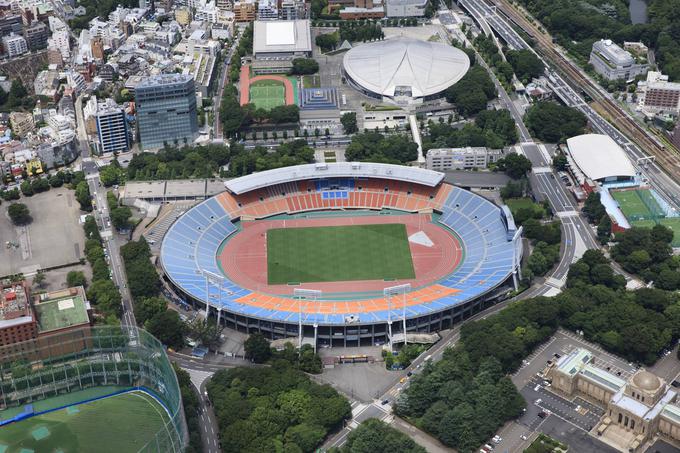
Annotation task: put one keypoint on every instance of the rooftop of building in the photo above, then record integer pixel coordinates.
(163, 79)
(613, 52)
(61, 309)
(449, 151)
(282, 36)
(599, 156)
(14, 305)
(573, 362)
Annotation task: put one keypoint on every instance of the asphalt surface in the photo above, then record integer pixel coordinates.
(483, 13)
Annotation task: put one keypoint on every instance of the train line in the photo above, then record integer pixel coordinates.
(666, 156)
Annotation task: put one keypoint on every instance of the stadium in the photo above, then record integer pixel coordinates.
(101, 389)
(404, 69)
(348, 254)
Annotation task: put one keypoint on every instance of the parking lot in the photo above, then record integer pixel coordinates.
(568, 420)
(54, 237)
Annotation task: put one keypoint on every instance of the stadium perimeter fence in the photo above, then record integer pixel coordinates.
(41, 375)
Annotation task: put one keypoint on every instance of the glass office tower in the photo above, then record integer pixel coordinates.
(166, 110)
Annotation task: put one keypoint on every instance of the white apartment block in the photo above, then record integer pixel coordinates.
(613, 63)
(467, 158)
(14, 45)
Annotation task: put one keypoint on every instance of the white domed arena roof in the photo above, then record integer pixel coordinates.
(424, 67)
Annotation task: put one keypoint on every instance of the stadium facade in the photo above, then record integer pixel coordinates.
(488, 268)
(52, 373)
(404, 70)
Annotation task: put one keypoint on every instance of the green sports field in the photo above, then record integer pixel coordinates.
(267, 94)
(638, 204)
(338, 253)
(119, 423)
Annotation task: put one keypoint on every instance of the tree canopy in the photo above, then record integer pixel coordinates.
(525, 64)
(19, 214)
(375, 436)
(552, 122)
(302, 66)
(375, 147)
(492, 129)
(472, 92)
(514, 165)
(274, 408)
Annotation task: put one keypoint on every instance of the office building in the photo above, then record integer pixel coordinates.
(467, 158)
(658, 95)
(21, 123)
(637, 410)
(166, 110)
(14, 45)
(11, 23)
(613, 63)
(405, 8)
(112, 129)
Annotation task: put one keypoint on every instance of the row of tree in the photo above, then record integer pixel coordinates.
(376, 147)
(274, 408)
(102, 292)
(492, 129)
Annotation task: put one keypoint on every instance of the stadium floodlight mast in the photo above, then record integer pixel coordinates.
(307, 294)
(390, 292)
(217, 280)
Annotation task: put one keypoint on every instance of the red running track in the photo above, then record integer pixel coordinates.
(244, 258)
(245, 82)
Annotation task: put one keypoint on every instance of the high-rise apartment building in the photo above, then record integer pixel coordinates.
(166, 110)
(14, 45)
(112, 128)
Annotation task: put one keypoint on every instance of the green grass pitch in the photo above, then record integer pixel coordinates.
(119, 423)
(632, 205)
(267, 94)
(338, 253)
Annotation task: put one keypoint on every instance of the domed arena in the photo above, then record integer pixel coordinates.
(348, 254)
(404, 67)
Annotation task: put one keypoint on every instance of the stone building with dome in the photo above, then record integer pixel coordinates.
(637, 410)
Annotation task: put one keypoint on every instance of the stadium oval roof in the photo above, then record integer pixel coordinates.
(333, 170)
(426, 67)
(599, 157)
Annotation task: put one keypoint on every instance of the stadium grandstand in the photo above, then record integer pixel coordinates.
(445, 252)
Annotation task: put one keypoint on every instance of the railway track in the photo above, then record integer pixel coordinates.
(666, 156)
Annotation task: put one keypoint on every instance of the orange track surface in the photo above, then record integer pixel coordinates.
(245, 81)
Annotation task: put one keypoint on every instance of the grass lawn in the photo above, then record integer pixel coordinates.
(311, 81)
(521, 203)
(120, 423)
(338, 253)
(267, 94)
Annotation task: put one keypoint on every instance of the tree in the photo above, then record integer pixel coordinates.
(553, 123)
(110, 174)
(148, 307)
(206, 332)
(514, 165)
(39, 279)
(120, 217)
(302, 66)
(257, 348)
(327, 42)
(472, 92)
(168, 328)
(526, 64)
(593, 208)
(26, 188)
(75, 278)
(349, 122)
(83, 196)
(375, 436)
(19, 214)
(105, 297)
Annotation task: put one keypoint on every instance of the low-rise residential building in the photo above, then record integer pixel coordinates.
(356, 13)
(21, 123)
(244, 11)
(17, 321)
(441, 159)
(613, 63)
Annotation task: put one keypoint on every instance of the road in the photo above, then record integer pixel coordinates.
(628, 127)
